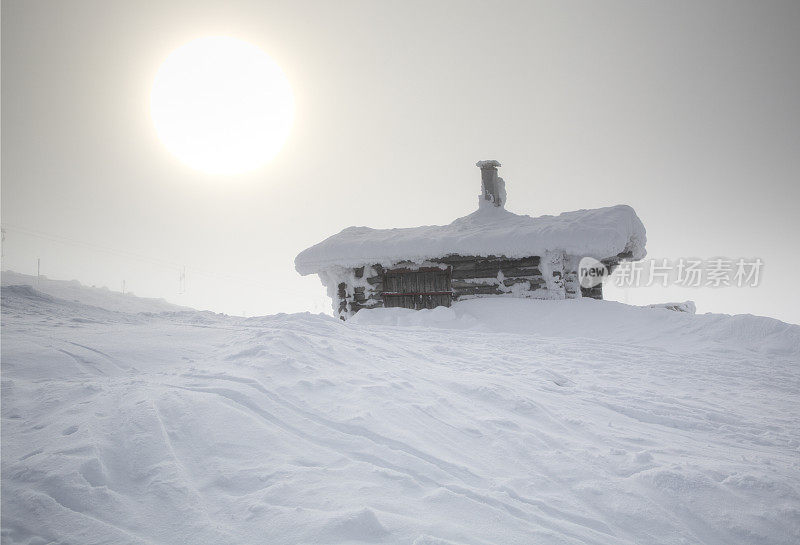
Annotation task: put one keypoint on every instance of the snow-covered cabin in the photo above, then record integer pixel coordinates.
(489, 253)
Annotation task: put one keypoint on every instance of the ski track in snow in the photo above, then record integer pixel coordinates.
(189, 427)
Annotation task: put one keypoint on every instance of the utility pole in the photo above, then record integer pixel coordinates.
(123, 287)
(38, 269)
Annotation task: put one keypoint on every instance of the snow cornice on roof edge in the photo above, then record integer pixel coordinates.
(600, 233)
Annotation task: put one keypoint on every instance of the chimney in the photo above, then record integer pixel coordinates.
(494, 188)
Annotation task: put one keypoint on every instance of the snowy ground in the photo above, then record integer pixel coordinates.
(497, 421)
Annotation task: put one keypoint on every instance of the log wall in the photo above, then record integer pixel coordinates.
(553, 276)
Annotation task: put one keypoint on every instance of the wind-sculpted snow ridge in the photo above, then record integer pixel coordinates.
(494, 422)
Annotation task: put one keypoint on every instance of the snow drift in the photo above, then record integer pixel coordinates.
(600, 233)
(501, 421)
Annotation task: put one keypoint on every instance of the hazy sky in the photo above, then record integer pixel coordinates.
(687, 111)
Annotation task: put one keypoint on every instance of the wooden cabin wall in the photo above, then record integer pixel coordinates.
(423, 287)
(553, 276)
(363, 290)
(475, 276)
(471, 276)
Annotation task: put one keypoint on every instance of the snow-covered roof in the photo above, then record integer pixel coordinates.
(598, 233)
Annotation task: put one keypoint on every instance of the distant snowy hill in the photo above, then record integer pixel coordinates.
(101, 297)
(502, 421)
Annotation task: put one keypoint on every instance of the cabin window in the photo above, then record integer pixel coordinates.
(417, 289)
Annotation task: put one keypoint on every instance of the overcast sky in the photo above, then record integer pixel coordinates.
(687, 111)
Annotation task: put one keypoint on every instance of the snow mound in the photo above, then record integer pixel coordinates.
(495, 421)
(599, 233)
(601, 320)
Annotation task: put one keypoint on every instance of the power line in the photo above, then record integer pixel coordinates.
(96, 247)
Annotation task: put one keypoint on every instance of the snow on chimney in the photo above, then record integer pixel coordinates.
(494, 188)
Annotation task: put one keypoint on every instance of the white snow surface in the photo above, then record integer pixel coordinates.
(599, 233)
(496, 421)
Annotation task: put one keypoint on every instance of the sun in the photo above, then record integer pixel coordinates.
(222, 105)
